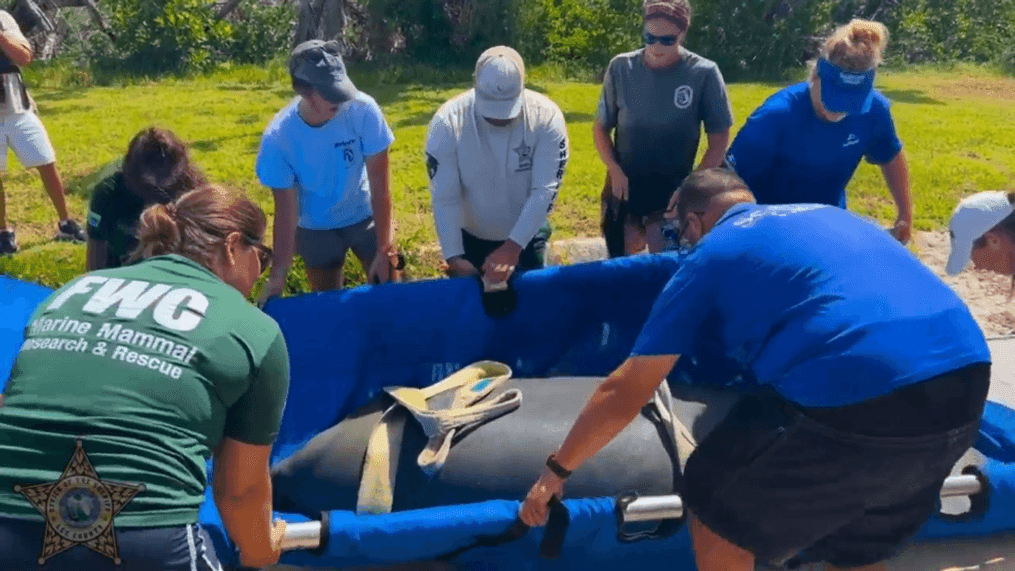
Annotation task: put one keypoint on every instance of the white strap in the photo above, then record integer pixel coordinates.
(680, 436)
(470, 385)
(380, 465)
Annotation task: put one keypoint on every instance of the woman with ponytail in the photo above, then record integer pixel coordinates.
(803, 144)
(128, 381)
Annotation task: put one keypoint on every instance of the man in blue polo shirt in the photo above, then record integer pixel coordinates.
(871, 377)
(805, 142)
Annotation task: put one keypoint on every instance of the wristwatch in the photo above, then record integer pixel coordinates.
(555, 467)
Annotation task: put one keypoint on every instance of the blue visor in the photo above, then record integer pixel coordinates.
(845, 91)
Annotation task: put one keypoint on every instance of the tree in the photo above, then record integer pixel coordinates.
(322, 20)
(40, 19)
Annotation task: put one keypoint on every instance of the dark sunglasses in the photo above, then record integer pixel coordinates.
(682, 226)
(663, 40)
(263, 252)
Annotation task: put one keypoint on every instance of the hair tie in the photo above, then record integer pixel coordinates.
(171, 210)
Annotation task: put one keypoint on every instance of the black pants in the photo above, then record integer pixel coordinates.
(847, 485)
(180, 548)
(533, 256)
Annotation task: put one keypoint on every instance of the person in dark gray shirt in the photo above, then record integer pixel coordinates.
(648, 125)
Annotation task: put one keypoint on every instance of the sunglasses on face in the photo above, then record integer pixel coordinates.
(682, 225)
(663, 40)
(263, 252)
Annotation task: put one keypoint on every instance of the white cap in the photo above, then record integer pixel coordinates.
(500, 83)
(973, 217)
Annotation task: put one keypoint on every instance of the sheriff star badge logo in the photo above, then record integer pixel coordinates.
(79, 508)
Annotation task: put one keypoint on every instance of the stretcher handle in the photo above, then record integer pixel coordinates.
(654, 508)
(307, 535)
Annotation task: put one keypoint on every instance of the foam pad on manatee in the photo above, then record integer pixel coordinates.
(501, 458)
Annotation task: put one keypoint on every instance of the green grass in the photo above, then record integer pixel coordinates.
(957, 124)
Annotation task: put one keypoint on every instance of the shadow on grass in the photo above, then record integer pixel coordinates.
(578, 117)
(207, 145)
(84, 185)
(46, 110)
(914, 96)
(43, 94)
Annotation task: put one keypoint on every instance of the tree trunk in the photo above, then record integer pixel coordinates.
(97, 17)
(321, 20)
(49, 46)
(30, 17)
(226, 8)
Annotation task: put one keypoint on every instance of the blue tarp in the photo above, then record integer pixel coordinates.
(577, 320)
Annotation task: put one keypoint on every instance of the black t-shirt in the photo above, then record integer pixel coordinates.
(113, 216)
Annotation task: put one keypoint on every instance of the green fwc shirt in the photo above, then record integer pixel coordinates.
(151, 364)
(113, 216)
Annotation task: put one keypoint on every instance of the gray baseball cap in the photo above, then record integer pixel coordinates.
(320, 64)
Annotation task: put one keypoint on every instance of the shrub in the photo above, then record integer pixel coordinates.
(261, 31)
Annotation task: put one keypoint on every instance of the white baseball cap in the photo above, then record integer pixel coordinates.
(500, 83)
(973, 218)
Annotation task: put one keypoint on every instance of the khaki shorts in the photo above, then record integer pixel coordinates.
(326, 249)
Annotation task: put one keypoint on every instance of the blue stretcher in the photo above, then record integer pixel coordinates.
(570, 321)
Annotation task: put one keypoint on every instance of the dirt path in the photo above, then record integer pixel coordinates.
(985, 293)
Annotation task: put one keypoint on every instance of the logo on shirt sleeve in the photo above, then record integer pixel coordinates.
(683, 96)
(93, 219)
(431, 165)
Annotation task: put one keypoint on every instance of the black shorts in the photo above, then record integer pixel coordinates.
(532, 257)
(180, 548)
(774, 480)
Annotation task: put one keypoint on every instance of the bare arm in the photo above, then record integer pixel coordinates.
(380, 197)
(241, 487)
(609, 410)
(16, 48)
(896, 173)
(97, 255)
(604, 146)
(283, 242)
(613, 406)
(716, 151)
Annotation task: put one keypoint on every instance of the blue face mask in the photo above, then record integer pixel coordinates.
(671, 235)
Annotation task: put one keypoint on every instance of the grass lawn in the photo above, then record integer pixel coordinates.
(958, 126)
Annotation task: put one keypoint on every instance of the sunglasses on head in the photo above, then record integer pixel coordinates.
(263, 252)
(663, 40)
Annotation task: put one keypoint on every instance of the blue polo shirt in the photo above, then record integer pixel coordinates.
(786, 154)
(824, 307)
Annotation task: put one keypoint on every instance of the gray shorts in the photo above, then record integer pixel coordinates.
(326, 249)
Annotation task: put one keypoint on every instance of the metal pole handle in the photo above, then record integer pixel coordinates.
(671, 507)
(307, 535)
(302, 535)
